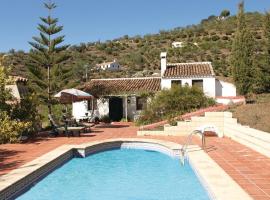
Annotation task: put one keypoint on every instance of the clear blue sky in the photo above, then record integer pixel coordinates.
(92, 20)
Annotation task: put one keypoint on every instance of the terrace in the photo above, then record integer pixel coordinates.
(245, 166)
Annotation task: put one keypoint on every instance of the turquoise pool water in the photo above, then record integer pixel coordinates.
(124, 174)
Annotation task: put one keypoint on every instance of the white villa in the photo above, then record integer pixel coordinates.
(122, 97)
(177, 44)
(111, 66)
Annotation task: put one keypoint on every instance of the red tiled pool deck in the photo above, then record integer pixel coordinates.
(248, 168)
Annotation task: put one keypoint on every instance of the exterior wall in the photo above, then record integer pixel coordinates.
(209, 87)
(228, 100)
(103, 107)
(225, 89)
(114, 66)
(79, 109)
(131, 107)
(208, 84)
(177, 44)
(165, 83)
(14, 91)
(186, 82)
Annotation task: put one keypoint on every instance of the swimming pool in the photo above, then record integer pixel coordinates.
(122, 174)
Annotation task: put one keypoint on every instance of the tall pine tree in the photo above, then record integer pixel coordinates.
(47, 55)
(266, 68)
(242, 58)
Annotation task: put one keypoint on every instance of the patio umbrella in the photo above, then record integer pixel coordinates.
(72, 95)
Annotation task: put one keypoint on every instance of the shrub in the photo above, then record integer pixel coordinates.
(172, 121)
(14, 120)
(225, 37)
(10, 130)
(229, 32)
(27, 111)
(215, 38)
(173, 102)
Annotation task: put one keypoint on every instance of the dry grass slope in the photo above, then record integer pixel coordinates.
(255, 115)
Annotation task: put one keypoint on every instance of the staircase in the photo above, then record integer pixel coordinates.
(226, 126)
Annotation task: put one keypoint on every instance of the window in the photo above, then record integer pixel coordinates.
(89, 104)
(140, 103)
(177, 82)
(198, 84)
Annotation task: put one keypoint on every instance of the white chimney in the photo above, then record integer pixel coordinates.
(163, 62)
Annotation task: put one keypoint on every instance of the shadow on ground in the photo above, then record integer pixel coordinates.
(12, 162)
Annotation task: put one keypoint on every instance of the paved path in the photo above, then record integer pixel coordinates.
(248, 168)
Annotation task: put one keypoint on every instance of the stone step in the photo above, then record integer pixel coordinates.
(263, 142)
(207, 119)
(250, 132)
(179, 128)
(253, 144)
(230, 121)
(218, 114)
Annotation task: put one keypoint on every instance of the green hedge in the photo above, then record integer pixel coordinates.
(173, 102)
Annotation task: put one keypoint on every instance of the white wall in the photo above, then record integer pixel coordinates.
(186, 81)
(225, 89)
(209, 86)
(131, 107)
(165, 83)
(177, 44)
(79, 109)
(103, 107)
(14, 91)
(114, 66)
(228, 101)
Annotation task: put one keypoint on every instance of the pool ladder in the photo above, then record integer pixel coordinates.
(188, 141)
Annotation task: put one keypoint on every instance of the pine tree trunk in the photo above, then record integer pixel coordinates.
(49, 90)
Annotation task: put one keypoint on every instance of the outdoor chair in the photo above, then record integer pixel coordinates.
(86, 125)
(68, 130)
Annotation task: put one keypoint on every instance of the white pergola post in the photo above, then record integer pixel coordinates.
(126, 107)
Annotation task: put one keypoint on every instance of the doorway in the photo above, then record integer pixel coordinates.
(116, 108)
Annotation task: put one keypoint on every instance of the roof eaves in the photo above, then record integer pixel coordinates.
(201, 76)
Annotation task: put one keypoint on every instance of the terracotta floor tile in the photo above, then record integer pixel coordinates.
(247, 167)
(261, 197)
(265, 186)
(267, 191)
(254, 191)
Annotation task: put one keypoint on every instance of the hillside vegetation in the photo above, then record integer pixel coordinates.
(211, 40)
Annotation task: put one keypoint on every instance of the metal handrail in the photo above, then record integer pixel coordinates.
(187, 143)
(201, 130)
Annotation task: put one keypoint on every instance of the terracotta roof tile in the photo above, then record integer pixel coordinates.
(18, 79)
(184, 70)
(118, 86)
